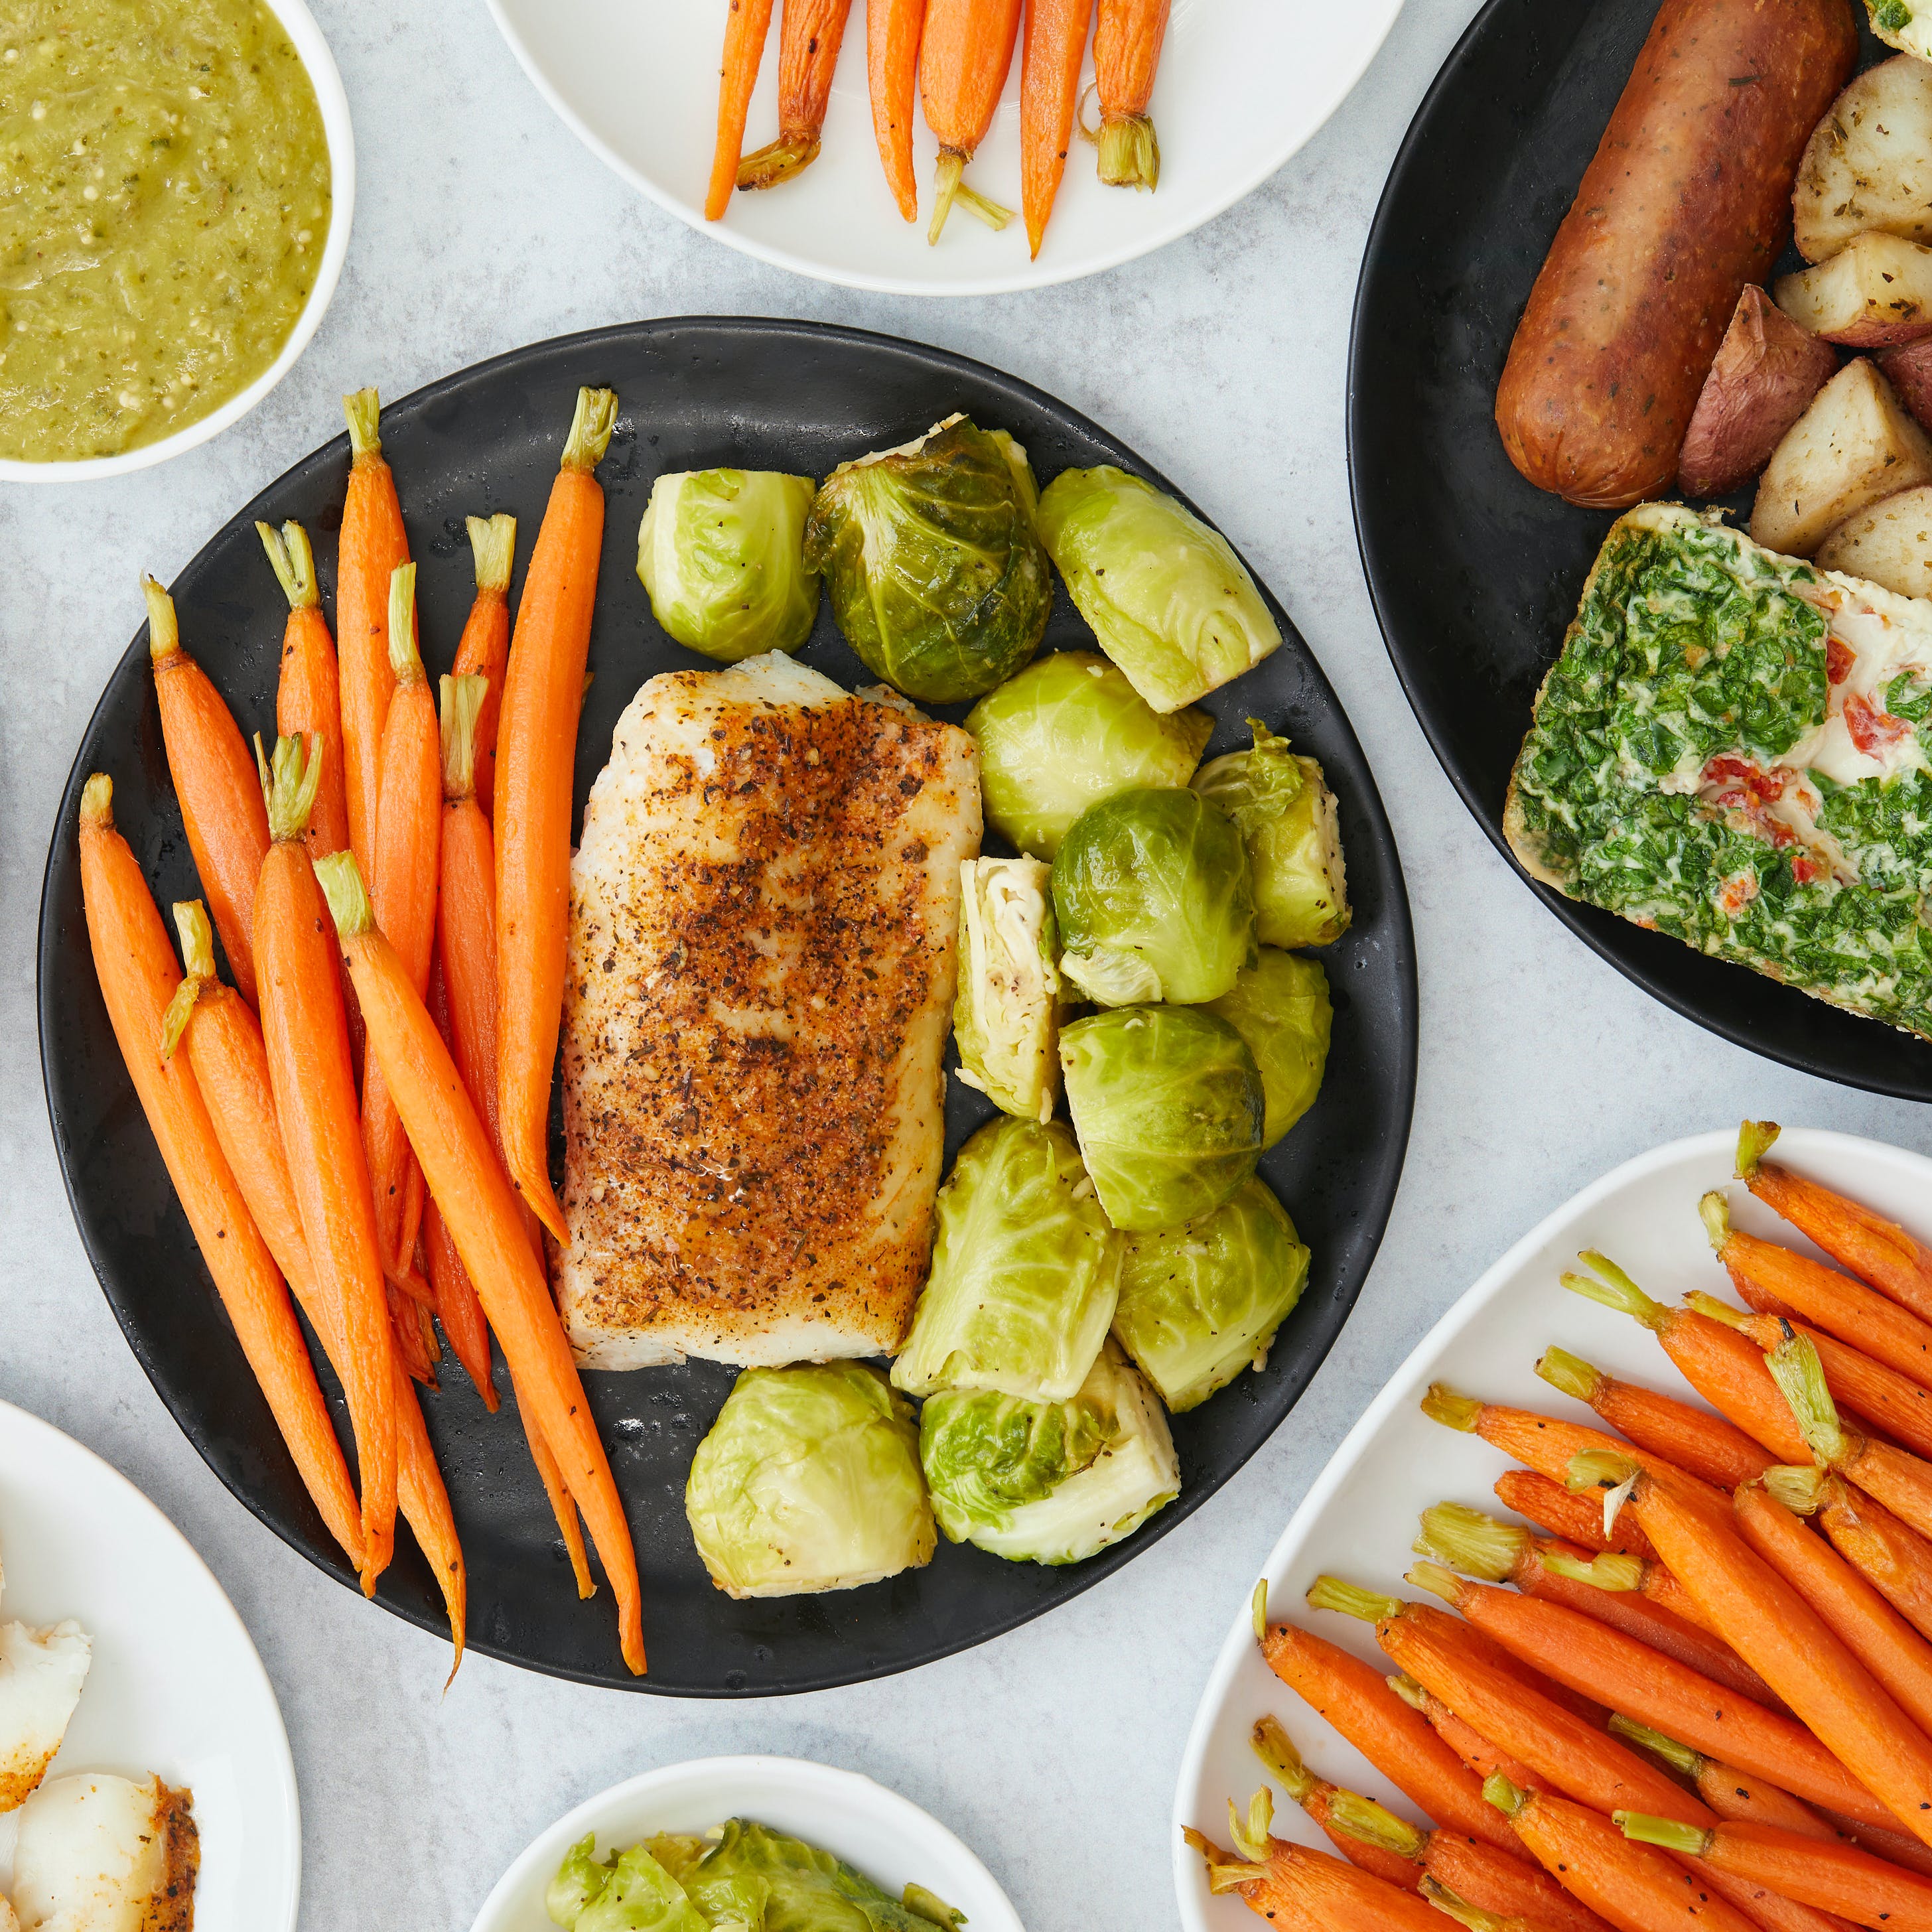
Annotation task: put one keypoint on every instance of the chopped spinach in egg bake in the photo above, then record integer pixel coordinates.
(1731, 748)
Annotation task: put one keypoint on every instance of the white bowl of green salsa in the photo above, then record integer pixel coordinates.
(175, 195)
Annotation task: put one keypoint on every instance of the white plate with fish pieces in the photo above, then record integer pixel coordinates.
(173, 1688)
(1241, 84)
(1359, 1520)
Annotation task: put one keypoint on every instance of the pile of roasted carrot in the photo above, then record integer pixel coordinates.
(362, 1118)
(957, 53)
(1706, 1695)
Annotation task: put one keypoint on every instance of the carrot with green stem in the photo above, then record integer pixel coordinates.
(1889, 1554)
(536, 752)
(1576, 1520)
(214, 781)
(1773, 1628)
(745, 26)
(1878, 1252)
(483, 649)
(481, 1213)
(1126, 51)
(965, 49)
(1727, 1791)
(1471, 1748)
(892, 29)
(810, 34)
(1317, 1797)
(1053, 46)
(308, 693)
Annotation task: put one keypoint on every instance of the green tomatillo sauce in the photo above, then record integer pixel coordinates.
(164, 201)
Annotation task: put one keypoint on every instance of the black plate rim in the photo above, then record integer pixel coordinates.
(1096, 1569)
(1607, 936)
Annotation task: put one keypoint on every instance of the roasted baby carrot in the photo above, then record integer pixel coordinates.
(1126, 51)
(306, 1035)
(745, 26)
(1053, 46)
(456, 1307)
(1316, 1796)
(810, 34)
(308, 694)
(1728, 1792)
(481, 1213)
(536, 752)
(1706, 1445)
(1471, 1746)
(1878, 1252)
(1890, 1555)
(215, 779)
(892, 71)
(1578, 1519)
(136, 968)
(485, 645)
(964, 51)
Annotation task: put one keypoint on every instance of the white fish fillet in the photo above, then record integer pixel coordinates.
(764, 916)
(98, 1853)
(41, 1672)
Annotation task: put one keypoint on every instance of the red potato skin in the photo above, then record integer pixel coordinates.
(1767, 371)
(1908, 370)
(1688, 199)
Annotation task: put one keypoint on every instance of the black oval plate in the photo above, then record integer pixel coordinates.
(1474, 573)
(783, 395)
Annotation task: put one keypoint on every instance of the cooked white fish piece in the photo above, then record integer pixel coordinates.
(98, 1853)
(41, 1672)
(764, 920)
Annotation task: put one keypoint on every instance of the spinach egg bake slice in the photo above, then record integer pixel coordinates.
(1731, 748)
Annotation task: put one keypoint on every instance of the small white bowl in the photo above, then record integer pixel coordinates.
(877, 1832)
(334, 103)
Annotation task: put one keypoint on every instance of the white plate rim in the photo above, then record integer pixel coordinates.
(1159, 232)
(545, 1851)
(1399, 1390)
(243, 1657)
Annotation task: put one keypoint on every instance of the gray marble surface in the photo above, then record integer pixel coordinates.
(482, 224)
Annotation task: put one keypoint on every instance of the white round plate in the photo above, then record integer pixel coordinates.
(174, 1687)
(1360, 1518)
(1242, 84)
(875, 1830)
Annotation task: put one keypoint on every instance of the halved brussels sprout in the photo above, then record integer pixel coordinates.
(1050, 1482)
(1069, 731)
(1168, 1103)
(721, 554)
(753, 1879)
(1150, 889)
(1201, 1302)
(1287, 815)
(1279, 1005)
(809, 1481)
(1007, 1017)
(632, 1892)
(937, 577)
(1167, 597)
(1024, 1270)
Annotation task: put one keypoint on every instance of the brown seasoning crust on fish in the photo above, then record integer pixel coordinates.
(173, 1910)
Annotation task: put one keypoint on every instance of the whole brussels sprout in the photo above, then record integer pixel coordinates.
(1069, 731)
(937, 577)
(1050, 1482)
(721, 554)
(809, 1481)
(1006, 1017)
(1167, 597)
(1279, 1005)
(1201, 1302)
(1151, 890)
(1024, 1270)
(1168, 1103)
(1289, 822)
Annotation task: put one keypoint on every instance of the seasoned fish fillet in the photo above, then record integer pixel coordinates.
(41, 1672)
(763, 917)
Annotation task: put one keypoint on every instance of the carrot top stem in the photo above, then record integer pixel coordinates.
(1276, 1749)
(289, 782)
(462, 705)
(1129, 152)
(197, 946)
(493, 543)
(1410, 1693)
(342, 885)
(1755, 1139)
(1680, 1758)
(1442, 1404)
(1362, 1818)
(1613, 1288)
(1690, 1841)
(777, 161)
(1224, 1873)
(405, 659)
(1503, 1794)
(363, 411)
(1436, 1579)
(1331, 1593)
(293, 562)
(590, 427)
(1454, 1905)
(1701, 1303)
(1606, 1571)
(1714, 1211)
(1258, 1610)
(1250, 1833)
(1477, 1544)
(97, 799)
(1799, 1488)
(949, 186)
(1568, 1374)
(1800, 1377)
(163, 631)
(1604, 1469)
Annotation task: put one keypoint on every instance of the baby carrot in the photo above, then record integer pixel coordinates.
(1572, 1519)
(136, 968)
(1878, 1252)
(745, 26)
(1892, 1555)
(536, 751)
(1706, 1445)
(308, 696)
(307, 1038)
(1316, 1796)
(215, 779)
(1470, 1746)
(481, 1212)
(964, 51)
(810, 33)
(485, 645)
(891, 68)
(1053, 46)
(1126, 50)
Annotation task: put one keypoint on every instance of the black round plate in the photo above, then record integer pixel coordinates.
(778, 395)
(1475, 574)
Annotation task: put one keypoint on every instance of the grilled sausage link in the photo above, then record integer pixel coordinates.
(1687, 199)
